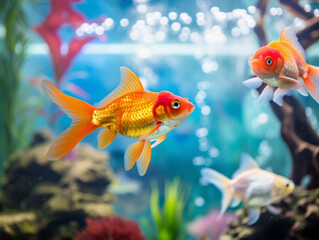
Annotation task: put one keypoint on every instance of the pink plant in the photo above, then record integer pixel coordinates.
(62, 13)
(110, 228)
(210, 226)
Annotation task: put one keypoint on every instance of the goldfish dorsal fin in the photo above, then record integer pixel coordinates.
(246, 163)
(129, 83)
(289, 35)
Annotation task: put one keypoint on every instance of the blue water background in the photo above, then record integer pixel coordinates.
(237, 122)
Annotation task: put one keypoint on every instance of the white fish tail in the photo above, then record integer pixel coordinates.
(222, 183)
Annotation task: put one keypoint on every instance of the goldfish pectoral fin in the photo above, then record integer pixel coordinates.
(235, 202)
(280, 93)
(289, 35)
(146, 135)
(266, 95)
(132, 153)
(129, 83)
(273, 210)
(158, 140)
(254, 82)
(144, 160)
(302, 90)
(312, 82)
(222, 183)
(287, 82)
(253, 215)
(105, 137)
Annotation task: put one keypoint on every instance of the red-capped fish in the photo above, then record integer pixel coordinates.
(255, 187)
(129, 110)
(281, 64)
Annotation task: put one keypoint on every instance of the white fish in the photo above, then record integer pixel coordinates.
(255, 187)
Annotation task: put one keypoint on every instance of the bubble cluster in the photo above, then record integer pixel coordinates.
(95, 28)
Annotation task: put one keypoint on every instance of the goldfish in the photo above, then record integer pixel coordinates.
(281, 64)
(128, 110)
(255, 187)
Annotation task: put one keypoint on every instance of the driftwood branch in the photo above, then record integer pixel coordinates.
(310, 34)
(296, 131)
(296, 10)
(259, 28)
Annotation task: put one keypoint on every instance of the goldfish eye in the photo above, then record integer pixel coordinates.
(268, 61)
(175, 104)
(287, 185)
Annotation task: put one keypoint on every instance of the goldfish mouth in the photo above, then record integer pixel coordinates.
(254, 65)
(191, 109)
(249, 61)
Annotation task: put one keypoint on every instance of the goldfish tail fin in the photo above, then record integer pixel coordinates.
(222, 183)
(312, 81)
(139, 152)
(81, 114)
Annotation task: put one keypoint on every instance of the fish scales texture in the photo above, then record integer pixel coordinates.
(289, 69)
(294, 63)
(261, 195)
(131, 115)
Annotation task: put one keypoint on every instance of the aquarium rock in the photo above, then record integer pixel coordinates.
(42, 199)
(298, 219)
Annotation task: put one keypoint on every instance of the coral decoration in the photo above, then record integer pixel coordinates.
(110, 228)
(62, 13)
(210, 225)
(61, 62)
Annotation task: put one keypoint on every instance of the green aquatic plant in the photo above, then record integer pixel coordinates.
(13, 41)
(167, 222)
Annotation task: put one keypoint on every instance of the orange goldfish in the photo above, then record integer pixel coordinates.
(255, 187)
(281, 64)
(129, 110)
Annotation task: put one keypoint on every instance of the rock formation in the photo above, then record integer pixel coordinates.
(44, 199)
(298, 219)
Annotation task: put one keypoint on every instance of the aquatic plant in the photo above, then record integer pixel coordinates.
(110, 228)
(14, 124)
(168, 220)
(210, 225)
(303, 142)
(61, 13)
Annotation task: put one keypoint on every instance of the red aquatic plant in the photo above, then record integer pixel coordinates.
(110, 228)
(62, 13)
